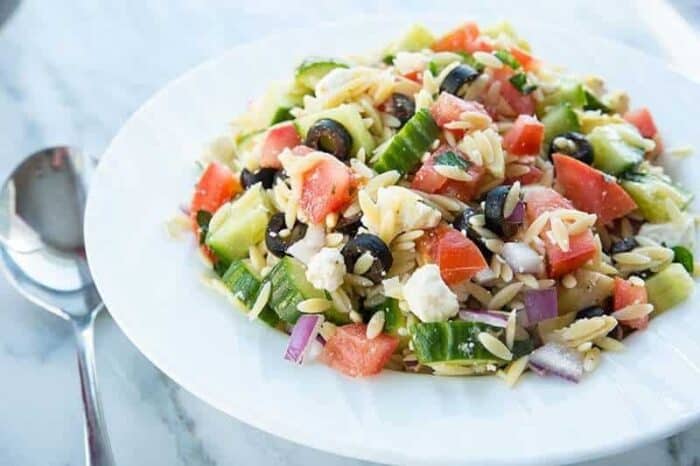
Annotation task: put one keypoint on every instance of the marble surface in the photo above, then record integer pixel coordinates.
(72, 72)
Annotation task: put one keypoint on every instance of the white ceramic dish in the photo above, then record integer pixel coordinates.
(151, 286)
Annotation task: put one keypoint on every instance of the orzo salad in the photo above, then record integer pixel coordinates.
(450, 205)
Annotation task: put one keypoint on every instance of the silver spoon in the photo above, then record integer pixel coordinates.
(43, 256)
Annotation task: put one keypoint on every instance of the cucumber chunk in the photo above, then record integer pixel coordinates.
(454, 342)
(245, 284)
(290, 287)
(559, 120)
(405, 149)
(347, 116)
(592, 288)
(669, 287)
(313, 69)
(394, 318)
(417, 38)
(616, 148)
(272, 108)
(594, 103)
(650, 193)
(237, 225)
(570, 92)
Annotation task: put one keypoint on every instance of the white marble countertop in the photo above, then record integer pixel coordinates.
(72, 72)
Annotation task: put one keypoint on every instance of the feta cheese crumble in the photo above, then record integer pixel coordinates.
(428, 297)
(411, 213)
(326, 269)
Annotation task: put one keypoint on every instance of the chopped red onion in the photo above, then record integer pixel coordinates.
(556, 359)
(522, 258)
(518, 214)
(303, 335)
(185, 209)
(540, 305)
(493, 318)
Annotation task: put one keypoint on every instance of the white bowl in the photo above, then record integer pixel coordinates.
(151, 285)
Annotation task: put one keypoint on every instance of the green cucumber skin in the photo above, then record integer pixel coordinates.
(594, 103)
(669, 287)
(245, 286)
(312, 70)
(452, 342)
(394, 318)
(559, 120)
(290, 287)
(571, 94)
(407, 147)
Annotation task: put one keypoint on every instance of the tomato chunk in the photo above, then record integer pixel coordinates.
(582, 247)
(520, 103)
(326, 188)
(428, 180)
(457, 256)
(215, 187)
(278, 138)
(352, 353)
(626, 293)
(533, 176)
(524, 58)
(525, 137)
(591, 190)
(465, 38)
(448, 108)
(642, 119)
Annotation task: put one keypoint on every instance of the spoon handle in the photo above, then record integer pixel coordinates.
(98, 451)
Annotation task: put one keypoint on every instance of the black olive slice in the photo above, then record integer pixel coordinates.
(330, 136)
(457, 78)
(574, 145)
(368, 243)
(277, 244)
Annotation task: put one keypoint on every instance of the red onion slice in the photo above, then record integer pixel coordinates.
(495, 319)
(556, 359)
(522, 258)
(518, 214)
(303, 335)
(540, 305)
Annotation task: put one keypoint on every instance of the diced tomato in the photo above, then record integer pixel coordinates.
(581, 249)
(448, 108)
(626, 293)
(215, 187)
(457, 256)
(416, 76)
(524, 58)
(463, 39)
(642, 119)
(539, 199)
(430, 181)
(326, 188)
(278, 138)
(352, 353)
(531, 177)
(591, 190)
(520, 103)
(525, 137)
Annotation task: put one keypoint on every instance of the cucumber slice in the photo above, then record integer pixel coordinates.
(311, 70)
(592, 288)
(347, 116)
(616, 148)
(594, 103)
(273, 107)
(669, 287)
(394, 318)
(417, 38)
(245, 284)
(290, 287)
(454, 342)
(237, 225)
(650, 193)
(559, 120)
(405, 148)
(570, 92)
(507, 29)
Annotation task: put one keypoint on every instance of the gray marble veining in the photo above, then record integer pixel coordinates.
(72, 72)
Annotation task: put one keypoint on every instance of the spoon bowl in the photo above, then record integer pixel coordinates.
(43, 256)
